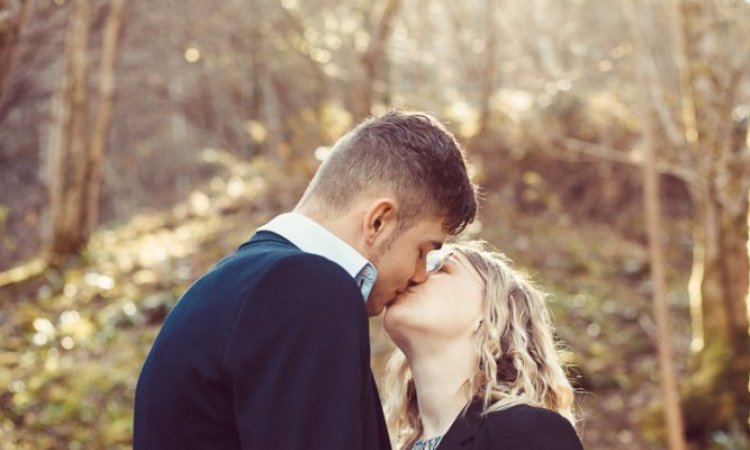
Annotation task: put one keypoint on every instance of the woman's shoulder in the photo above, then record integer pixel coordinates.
(530, 427)
(525, 415)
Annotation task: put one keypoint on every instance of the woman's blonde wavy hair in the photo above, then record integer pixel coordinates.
(518, 354)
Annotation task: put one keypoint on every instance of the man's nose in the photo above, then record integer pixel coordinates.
(419, 277)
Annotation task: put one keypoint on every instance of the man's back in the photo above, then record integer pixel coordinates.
(268, 350)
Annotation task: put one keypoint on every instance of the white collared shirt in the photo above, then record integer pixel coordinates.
(311, 237)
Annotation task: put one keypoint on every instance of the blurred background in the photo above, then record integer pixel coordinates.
(141, 141)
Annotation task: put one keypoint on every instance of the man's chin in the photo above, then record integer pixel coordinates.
(375, 307)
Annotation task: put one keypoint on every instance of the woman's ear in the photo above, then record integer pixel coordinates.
(379, 220)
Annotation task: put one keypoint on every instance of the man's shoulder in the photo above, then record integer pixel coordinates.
(265, 242)
(300, 271)
(269, 259)
(278, 264)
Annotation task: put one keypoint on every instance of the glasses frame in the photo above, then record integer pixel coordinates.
(436, 259)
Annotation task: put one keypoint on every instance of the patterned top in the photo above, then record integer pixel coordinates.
(427, 444)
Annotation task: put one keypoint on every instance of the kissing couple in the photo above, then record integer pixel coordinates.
(270, 350)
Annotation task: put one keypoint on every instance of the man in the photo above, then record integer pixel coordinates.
(270, 349)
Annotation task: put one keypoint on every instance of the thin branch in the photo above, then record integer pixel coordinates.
(670, 125)
(733, 204)
(733, 201)
(684, 61)
(381, 32)
(13, 37)
(628, 158)
(724, 123)
(24, 272)
(597, 150)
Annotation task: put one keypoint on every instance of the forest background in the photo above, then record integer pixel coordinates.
(141, 141)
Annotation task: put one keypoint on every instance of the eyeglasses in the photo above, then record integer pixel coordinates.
(436, 259)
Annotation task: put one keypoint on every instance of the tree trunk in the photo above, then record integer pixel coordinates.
(673, 419)
(719, 283)
(256, 101)
(67, 229)
(74, 186)
(670, 395)
(175, 72)
(10, 40)
(489, 66)
(719, 287)
(106, 100)
(372, 57)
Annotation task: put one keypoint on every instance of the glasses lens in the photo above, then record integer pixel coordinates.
(436, 259)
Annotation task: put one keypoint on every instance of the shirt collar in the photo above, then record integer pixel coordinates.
(311, 237)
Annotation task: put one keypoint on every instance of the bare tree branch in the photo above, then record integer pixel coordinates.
(666, 117)
(628, 158)
(374, 54)
(15, 19)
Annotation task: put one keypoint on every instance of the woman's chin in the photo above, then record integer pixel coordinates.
(396, 335)
(393, 318)
(403, 315)
(396, 302)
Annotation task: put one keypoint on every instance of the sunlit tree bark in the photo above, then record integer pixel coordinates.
(105, 106)
(649, 131)
(77, 154)
(719, 282)
(67, 229)
(489, 70)
(14, 18)
(372, 58)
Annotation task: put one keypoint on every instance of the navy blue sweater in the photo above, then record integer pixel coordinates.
(268, 350)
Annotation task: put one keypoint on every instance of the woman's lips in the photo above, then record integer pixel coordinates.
(403, 292)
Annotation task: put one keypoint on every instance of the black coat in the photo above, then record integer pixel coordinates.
(269, 350)
(520, 427)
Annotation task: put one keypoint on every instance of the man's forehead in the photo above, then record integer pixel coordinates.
(434, 239)
(431, 232)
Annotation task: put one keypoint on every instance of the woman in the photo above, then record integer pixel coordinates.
(477, 366)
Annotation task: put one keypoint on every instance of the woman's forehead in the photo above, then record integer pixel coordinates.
(459, 258)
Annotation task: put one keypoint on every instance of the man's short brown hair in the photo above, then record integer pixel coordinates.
(409, 154)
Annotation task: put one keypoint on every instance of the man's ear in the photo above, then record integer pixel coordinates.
(379, 220)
